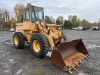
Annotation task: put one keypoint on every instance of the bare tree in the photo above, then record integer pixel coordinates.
(4, 18)
(99, 22)
(18, 10)
(0, 16)
(59, 20)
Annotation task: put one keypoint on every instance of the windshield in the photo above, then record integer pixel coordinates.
(39, 13)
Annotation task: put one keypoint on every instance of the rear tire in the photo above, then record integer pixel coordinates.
(18, 40)
(39, 45)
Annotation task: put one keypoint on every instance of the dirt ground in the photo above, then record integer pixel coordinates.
(22, 62)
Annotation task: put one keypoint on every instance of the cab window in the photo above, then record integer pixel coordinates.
(33, 17)
(27, 15)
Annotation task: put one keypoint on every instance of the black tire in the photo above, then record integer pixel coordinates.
(44, 45)
(21, 41)
(64, 36)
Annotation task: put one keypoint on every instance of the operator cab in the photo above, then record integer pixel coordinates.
(33, 13)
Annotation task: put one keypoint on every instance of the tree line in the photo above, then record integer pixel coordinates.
(71, 22)
(7, 20)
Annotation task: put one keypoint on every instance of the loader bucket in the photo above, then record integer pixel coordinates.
(68, 54)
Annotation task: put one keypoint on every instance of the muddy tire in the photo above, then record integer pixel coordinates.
(18, 40)
(65, 38)
(39, 45)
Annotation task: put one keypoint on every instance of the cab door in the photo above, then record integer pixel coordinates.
(27, 20)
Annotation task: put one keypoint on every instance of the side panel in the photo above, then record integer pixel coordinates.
(27, 26)
(19, 27)
(29, 29)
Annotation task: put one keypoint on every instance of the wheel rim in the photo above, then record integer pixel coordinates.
(16, 40)
(36, 46)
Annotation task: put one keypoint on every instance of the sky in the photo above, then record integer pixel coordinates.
(84, 9)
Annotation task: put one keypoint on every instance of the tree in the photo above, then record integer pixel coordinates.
(12, 22)
(85, 23)
(1, 17)
(48, 20)
(52, 20)
(18, 10)
(67, 24)
(59, 20)
(99, 22)
(74, 21)
(4, 18)
(78, 22)
(70, 18)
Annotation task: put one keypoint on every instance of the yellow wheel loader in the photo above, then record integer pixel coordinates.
(45, 37)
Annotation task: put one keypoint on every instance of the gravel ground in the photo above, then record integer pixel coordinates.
(22, 62)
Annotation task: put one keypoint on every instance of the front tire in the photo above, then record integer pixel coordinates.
(18, 40)
(39, 45)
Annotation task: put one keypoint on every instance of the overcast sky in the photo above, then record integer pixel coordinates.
(84, 9)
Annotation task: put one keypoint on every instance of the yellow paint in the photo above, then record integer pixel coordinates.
(36, 45)
(15, 40)
(28, 29)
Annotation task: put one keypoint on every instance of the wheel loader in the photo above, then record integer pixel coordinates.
(48, 37)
